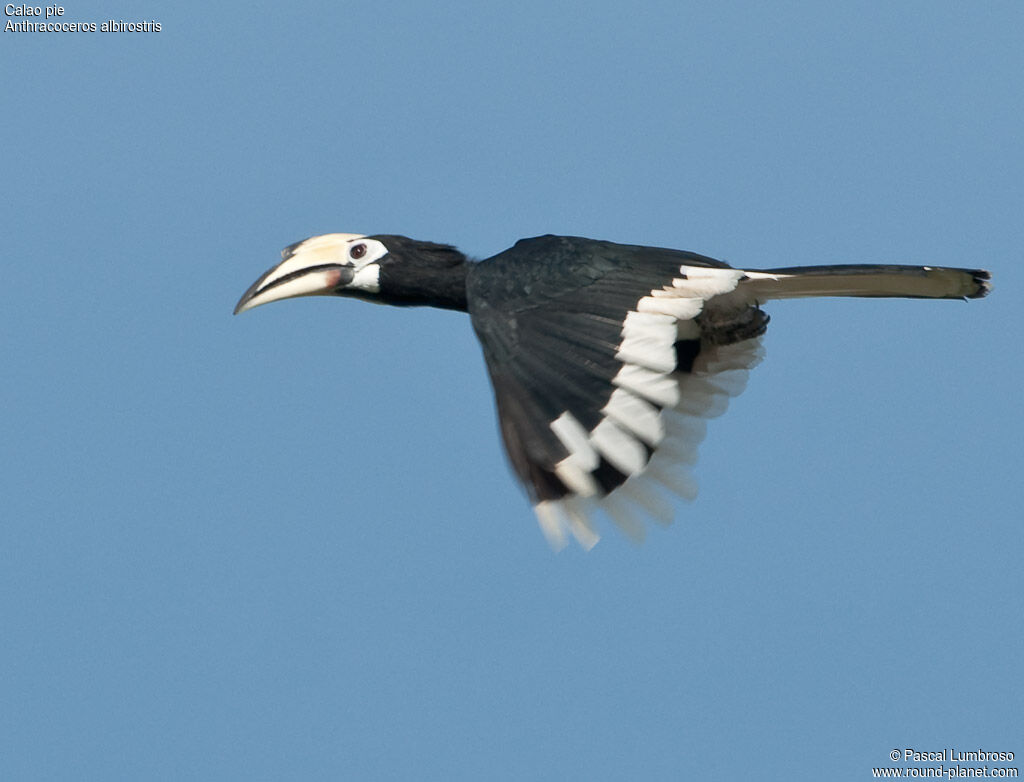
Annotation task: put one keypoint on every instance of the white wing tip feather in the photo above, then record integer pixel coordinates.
(552, 523)
(559, 519)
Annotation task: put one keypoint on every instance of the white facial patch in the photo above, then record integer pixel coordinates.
(367, 278)
(363, 254)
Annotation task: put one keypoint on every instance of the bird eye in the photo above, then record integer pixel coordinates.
(357, 251)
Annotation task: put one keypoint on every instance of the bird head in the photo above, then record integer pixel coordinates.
(328, 265)
(383, 268)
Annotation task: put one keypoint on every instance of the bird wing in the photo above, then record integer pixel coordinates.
(606, 361)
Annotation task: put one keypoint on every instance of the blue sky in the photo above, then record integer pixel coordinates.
(287, 546)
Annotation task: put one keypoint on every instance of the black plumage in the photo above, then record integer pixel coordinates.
(605, 358)
(549, 313)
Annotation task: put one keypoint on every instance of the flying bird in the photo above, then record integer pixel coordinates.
(606, 359)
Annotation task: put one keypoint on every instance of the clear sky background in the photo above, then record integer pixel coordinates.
(287, 545)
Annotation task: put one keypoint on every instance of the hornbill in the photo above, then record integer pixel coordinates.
(606, 359)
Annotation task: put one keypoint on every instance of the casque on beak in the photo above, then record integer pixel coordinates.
(318, 266)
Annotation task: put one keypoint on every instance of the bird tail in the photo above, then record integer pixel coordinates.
(912, 282)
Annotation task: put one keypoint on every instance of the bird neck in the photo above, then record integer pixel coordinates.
(442, 286)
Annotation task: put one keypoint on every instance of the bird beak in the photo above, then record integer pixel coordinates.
(312, 267)
(313, 281)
